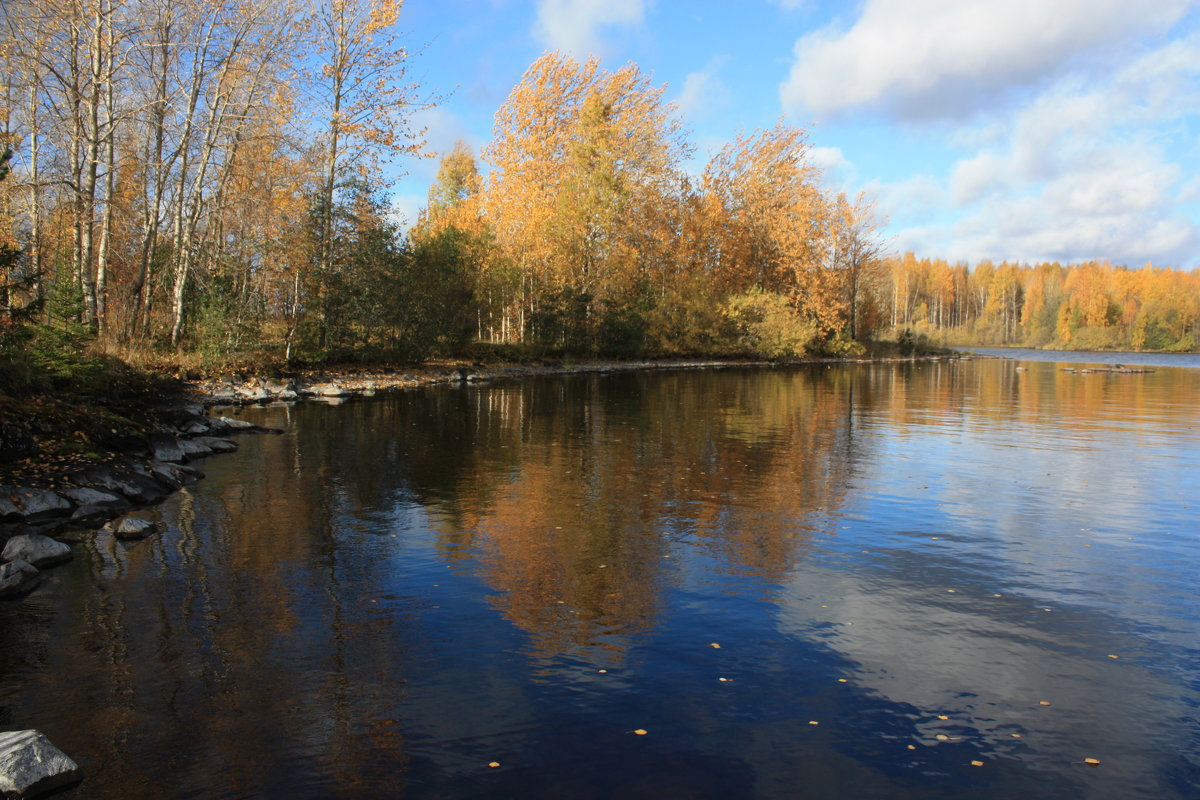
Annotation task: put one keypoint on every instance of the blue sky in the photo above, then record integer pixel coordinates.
(1020, 129)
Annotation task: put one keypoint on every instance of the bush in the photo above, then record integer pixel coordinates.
(764, 324)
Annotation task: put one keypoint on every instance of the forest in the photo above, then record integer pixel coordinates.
(195, 182)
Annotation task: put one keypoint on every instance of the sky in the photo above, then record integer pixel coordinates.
(1027, 130)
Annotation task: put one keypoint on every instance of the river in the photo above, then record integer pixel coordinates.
(934, 580)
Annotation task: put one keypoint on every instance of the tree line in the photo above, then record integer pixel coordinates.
(1092, 305)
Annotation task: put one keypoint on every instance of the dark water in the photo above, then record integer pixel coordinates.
(398, 592)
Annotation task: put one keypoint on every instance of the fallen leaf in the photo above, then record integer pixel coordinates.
(641, 731)
(602, 671)
(976, 763)
(912, 747)
(1110, 655)
(941, 737)
(716, 646)
(813, 722)
(942, 716)
(723, 680)
(1092, 762)
(841, 680)
(494, 764)
(1043, 702)
(952, 591)
(1015, 735)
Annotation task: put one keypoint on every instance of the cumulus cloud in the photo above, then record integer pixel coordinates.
(930, 58)
(574, 26)
(1084, 169)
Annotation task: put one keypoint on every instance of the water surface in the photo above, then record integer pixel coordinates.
(807, 583)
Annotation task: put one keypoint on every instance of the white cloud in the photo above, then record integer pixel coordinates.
(574, 26)
(704, 93)
(932, 58)
(1095, 169)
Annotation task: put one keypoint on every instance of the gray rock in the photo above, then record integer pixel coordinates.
(216, 425)
(8, 509)
(193, 448)
(237, 424)
(30, 765)
(216, 444)
(131, 528)
(331, 390)
(165, 447)
(85, 496)
(38, 550)
(90, 513)
(255, 395)
(36, 504)
(194, 428)
(287, 394)
(18, 577)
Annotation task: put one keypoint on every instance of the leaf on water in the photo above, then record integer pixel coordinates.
(602, 671)
(841, 680)
(723, 680)
(1043, 702)
(1015, 735)
(1110, 655)
(997, 595)
(1092, 762)
(641, 731)
(976, 763)
(493, 764)
(941, 737)
(912, 747)
(942, 716)
(813, 722)
(952, 591)
(715, 646)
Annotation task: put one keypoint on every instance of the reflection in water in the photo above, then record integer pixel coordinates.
(397, 592)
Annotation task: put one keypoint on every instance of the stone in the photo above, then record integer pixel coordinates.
(18, 577)
(193, 448)
(131, 528)
(38, 550)
(331, 390)
(238, 424)
(91, 513)
(255, 395)
(37, 504)
(194, 428)
(30, 765)
(84, 496)
(8, 509)
(216, 444)
(165, 447)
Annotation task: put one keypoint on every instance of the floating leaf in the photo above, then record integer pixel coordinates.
(952, 591)
(912, 747)
(1092, 762)
(723, 680)
(942, 716)
(941, 737)
(641, 731)
(716, 646)
(602, 671)
(1110, 655)
(1015, 735)
(841, 680)
(493, 764)
(976, 763)
(813, 722)
(1043, 702)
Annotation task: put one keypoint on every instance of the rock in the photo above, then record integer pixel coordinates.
(255, 395)
(131, 528)
(287, 394)
(8, 509)
(216, 444)
(279, 389)
(238, 424)
(194, 428)
(90, 513)
(85, 496)
(30, 765)
(331, 390)
(37, 504)
(18, 577)
(165, 447)
(185, 474)
(38, 550)
(216, 425)
(192, 448)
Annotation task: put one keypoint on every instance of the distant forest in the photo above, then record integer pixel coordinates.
(184, 180)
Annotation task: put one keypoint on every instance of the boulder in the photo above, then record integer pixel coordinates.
(238, 424)
(8, 509)
(30, 765)
(37, 504)
(331, 390)
(193, 448)
(216, 425)
(165, 447)
(131, 528)
(18, 577)
(84, 496)
(36, 549)
(194, 428)
(216, 444)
